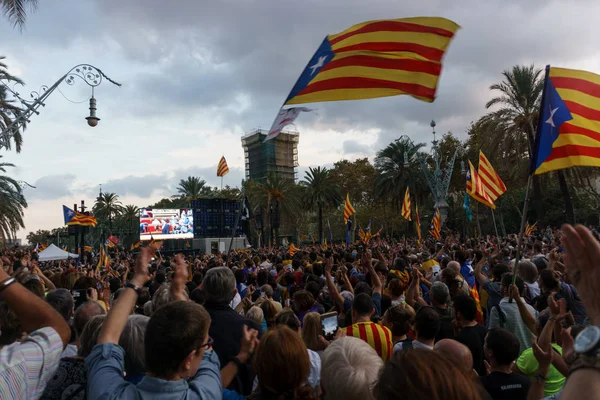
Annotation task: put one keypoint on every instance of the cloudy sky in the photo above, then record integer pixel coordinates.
(198, 74)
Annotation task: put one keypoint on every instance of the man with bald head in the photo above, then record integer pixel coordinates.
(454, 265)
(457, 353)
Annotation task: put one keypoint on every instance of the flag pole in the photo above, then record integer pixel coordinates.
(495, 227)
(532, 163)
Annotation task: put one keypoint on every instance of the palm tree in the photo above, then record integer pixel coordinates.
(16, 10)
(12, 203)
(279, 196)
(398, 169)
(107, 207)
(191, 188)
(8, 109)
(130, 214)
(515, 121)
(319, 191)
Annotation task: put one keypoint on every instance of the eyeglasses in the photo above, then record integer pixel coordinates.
(208, 343)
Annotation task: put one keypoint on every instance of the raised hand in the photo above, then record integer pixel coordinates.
(140, 274)
(179, 278)
(582, 255)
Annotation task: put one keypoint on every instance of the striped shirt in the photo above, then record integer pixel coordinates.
(377, 336)
(26, 367)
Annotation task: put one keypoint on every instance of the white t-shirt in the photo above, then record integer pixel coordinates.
(237, 299)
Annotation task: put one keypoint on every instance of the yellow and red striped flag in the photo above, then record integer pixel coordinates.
(436, 225)
(406, 206)
(293, 249)
(491, 181)
(529, 229)
(418, 224)
(475, 187)
(348, 209)
(569, 127)
(377, 59)
(222, 169)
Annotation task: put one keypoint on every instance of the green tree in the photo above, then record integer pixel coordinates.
(16, 10)
(356, 179)
(398, 168)
(513, 124)
(8, 107)
(40, 236)
(319, 191)
(107, 207)
(192, 188)
(12, 204)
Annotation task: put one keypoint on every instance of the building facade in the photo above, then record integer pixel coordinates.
(278, 156)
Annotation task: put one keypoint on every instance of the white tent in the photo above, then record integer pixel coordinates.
(52, 253)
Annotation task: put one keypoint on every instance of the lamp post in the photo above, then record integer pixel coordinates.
(438, 177)
(89, 74)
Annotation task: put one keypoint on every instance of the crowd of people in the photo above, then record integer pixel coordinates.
(389, 319)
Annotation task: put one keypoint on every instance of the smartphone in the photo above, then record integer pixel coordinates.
(329, 322)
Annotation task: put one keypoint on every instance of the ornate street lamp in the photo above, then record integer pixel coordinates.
(438, 178)
(89, 74)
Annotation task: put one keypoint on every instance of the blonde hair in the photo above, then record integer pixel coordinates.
(311, 329)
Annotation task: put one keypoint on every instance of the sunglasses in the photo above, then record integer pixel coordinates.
(208, 343)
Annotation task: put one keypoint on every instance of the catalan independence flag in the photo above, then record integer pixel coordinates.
(436, 225)
(406, 206)
(490, 180)
(76, 218)
(348, 209)
(377, 59)
(222, 169)
(475, 188)
(568, 131)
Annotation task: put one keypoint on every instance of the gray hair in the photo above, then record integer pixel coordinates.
(132, 341)
(62, 301)
(354, 362)
(163, 296)
(84, 313)
(89, 336)
(219, 285)
(255, 314)
(439, 292)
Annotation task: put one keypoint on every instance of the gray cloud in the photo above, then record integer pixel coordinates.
(165, 185)
(353, 147)
(51, 187)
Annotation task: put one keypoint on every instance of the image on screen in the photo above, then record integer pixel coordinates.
(330, 325)
(161, 224)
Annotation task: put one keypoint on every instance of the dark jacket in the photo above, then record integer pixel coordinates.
(226, 332)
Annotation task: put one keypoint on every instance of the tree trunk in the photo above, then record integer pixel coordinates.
(320, 216)
(564, 188)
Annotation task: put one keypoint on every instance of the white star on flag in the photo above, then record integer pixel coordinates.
(319, 64)
(550, 120)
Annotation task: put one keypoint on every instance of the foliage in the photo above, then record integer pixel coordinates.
(12, 204)
(107, 207)
(192, 188)
(16, 10)
(8, 107)
(398, 167)
(318, 192)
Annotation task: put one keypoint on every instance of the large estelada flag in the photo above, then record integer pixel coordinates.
(436, 225)
(377, 59)
(568, 131)
(491, 181)
(222, 168)
(475, 188)
(406, 206)
(348, 209)
(76, 218)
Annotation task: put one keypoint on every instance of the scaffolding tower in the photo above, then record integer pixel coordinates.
(278, 155)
